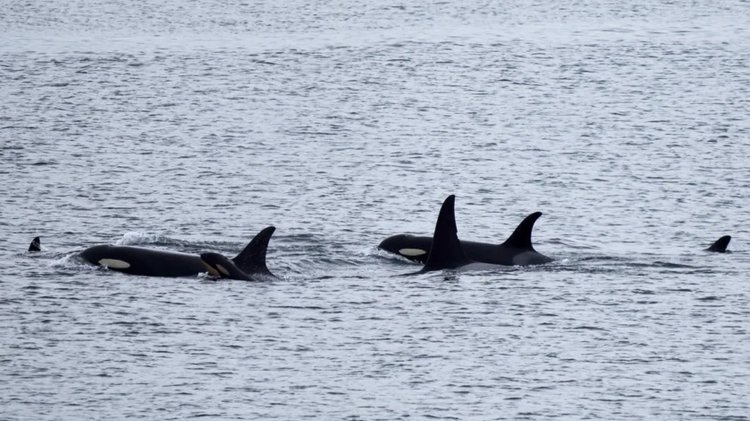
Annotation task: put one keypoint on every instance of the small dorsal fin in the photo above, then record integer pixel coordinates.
(446, 251)
(36, 244)
(252, 259)
(521, 237)
(720, 245)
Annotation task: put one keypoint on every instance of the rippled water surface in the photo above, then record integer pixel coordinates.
(190, 126)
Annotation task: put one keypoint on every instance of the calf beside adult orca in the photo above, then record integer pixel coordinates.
(252, 268)
(516, 250)
(150, 262)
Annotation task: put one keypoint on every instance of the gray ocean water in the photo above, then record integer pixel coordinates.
(190, 126)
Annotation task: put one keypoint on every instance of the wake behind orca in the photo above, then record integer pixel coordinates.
(516, 250)
(151, 262)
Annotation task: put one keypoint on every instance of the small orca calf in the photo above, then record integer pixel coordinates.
(250, 268)
(151, 262)
(516, 250)
(720, 245)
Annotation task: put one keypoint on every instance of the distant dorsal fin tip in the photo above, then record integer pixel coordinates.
(36, 244)
(721, 244)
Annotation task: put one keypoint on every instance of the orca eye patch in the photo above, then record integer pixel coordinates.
(411, 252)
(114, 263)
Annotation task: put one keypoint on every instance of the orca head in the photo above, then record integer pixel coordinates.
(446, 251)
(408, 246)
(106, 256)
(720, 245)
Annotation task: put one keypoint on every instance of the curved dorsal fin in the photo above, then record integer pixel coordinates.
(36, 244)
(446, 251)
(252, 259)
(720, 245)
(521, 237)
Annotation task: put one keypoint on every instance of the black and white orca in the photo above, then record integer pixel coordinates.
(151, 262)
(516, 250)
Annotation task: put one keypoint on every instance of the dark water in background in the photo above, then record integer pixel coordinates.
(191, 126)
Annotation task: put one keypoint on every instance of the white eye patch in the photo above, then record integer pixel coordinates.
(412, 252)
(114, 263)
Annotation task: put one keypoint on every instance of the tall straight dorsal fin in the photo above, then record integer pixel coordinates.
(36, 244)
(446, 251)
(720, 245)
(252, 259)
(521, 237)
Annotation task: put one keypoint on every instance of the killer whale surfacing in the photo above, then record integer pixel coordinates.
(143, 261)
(516, 250)
(251, 267)
(441, 251)
(160, 263)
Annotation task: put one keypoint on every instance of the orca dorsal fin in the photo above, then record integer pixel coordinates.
(446, 251)
(36, 244)
(521, 237)
(720, 245)
(252, 259)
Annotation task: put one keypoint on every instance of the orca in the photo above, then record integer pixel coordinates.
(151, 262)
(720, 245)
(251, 267)
(516, 250)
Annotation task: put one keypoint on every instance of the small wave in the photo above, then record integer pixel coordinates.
(585, 327)
(135, 237)
(671, 265)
